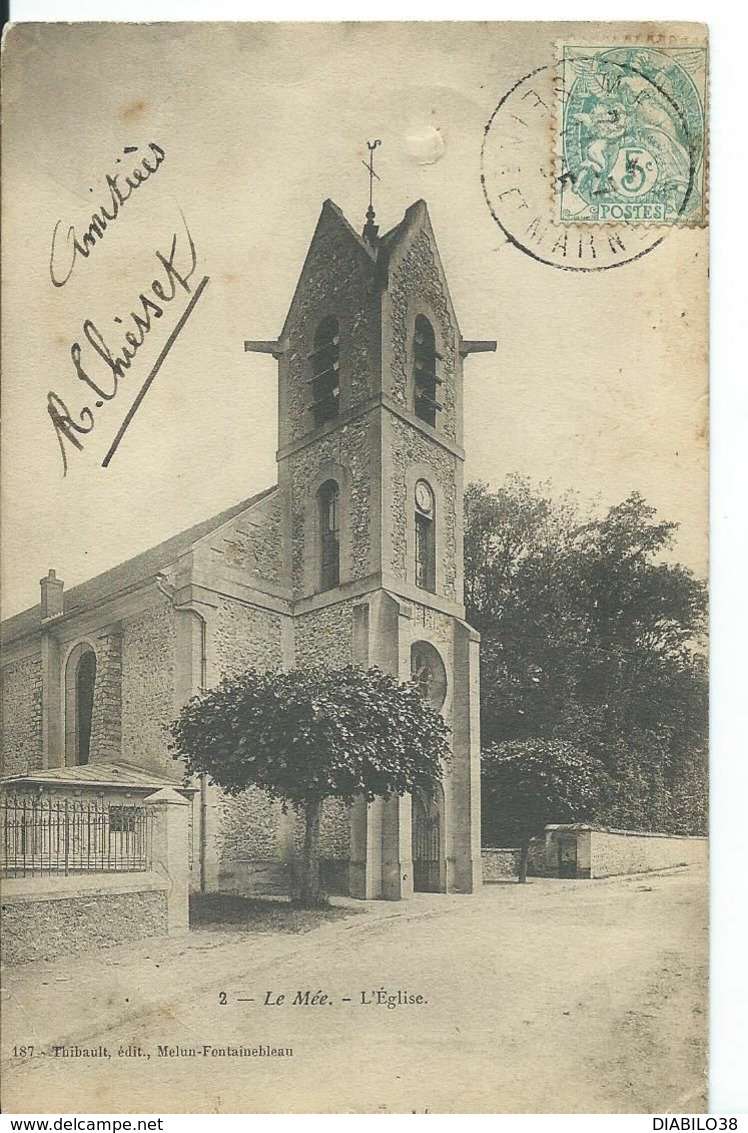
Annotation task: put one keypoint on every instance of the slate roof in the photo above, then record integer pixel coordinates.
(98, 775)
(127, 575)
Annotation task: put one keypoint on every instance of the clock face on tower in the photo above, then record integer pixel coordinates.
(424, 498)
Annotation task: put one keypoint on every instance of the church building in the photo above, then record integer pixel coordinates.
(354, 556)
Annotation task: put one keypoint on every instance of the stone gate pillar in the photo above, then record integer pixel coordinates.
(168, 813)
(465, 776)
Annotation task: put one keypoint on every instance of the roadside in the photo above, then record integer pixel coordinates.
(552, 997)
(103, 979)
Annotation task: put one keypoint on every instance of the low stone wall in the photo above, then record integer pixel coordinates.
(46, 917)
(503, 864)
(272, 877)
(499, 865)
(614, 852)
(596, 853)
(252, 878)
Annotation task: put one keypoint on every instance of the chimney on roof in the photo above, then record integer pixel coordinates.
(52, 600)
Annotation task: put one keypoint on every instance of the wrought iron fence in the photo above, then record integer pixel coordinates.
(42, 836)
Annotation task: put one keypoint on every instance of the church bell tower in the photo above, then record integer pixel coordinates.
(370, 464)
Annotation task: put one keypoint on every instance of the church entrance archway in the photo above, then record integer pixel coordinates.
(428, 833)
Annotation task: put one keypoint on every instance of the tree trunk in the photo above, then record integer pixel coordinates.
(524, 855)
(310, 893)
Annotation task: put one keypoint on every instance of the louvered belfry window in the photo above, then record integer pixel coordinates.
(325, 379)
(425, 380)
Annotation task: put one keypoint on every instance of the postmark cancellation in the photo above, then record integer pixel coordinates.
(630, 134)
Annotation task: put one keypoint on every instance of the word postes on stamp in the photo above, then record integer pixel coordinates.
(631, 135)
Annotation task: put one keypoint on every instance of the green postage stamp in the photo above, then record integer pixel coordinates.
(631, 135)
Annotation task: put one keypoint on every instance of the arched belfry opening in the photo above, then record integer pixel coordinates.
(425, 380)
(325, 379)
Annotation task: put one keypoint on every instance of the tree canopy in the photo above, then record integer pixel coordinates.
(306, 735)
(591, 635)
(533, 782)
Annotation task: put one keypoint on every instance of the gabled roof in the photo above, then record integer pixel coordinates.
(379, 253)
(391, 238)
(338, 212)
(330, 212)
(129, 574)
(416, 214)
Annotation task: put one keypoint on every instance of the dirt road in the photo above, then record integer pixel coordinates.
(585, 997)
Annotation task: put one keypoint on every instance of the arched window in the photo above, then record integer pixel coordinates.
(425, 381)
(425, 541)
(325, 380)
(428, 671)
(328, 499)
(80, 681)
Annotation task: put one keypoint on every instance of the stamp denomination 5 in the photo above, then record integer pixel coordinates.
(631, 135)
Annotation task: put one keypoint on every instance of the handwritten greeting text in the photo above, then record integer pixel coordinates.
(101, 367)
(63, 254)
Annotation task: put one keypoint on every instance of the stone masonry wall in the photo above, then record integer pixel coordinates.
(253, 543)
(106, 724)
(334, 840)
(503, 864)
(325, 636)
(353, 447)
(247, 825)
(247, 637)
(614, 852)
(411, 447)
(499, 865)
(148, 687)
(44, 929)
(22, 716)
(335, 830)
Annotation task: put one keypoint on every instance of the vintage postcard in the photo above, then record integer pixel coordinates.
(354, 499)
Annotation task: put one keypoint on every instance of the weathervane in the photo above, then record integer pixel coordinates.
(370, 228)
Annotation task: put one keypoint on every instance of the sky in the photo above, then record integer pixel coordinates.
(598, 383)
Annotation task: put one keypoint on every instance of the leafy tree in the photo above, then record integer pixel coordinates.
(592, 635)
(528, 783)
(312, 734)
